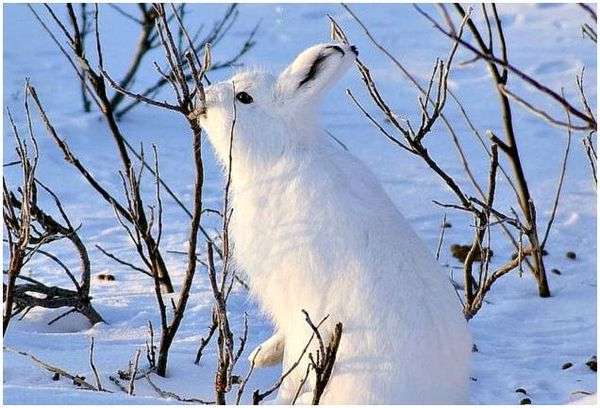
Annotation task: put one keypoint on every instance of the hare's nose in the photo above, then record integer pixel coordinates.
(198, 113)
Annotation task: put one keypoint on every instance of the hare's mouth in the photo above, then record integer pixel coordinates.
(200, 112)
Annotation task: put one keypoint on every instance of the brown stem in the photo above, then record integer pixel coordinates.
(510, 148)
(169, 334)
(15, 265)
(143, 46)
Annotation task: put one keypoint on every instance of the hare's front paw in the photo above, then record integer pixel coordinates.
(268, 353)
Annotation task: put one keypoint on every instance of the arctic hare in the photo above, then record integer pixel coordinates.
(314, 230)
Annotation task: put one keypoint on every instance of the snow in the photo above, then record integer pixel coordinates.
(523, 340)
(587, 400)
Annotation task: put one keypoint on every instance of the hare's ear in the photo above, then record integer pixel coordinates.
(314, 71)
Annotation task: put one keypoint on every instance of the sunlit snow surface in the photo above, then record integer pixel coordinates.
(522, 340)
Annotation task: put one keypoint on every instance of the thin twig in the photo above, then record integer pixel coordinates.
(591, 155)
(589, 10)
(76, 379)
(93, 366)
(133, 373)
(559, 185)
(172, 395)
(122, 262)
(441, 240)
(506, 65)
(539, 112)
(205, 340)
(139, 97)
(258, 396)
(246, 378)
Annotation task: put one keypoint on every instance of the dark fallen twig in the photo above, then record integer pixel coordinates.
(75, 378)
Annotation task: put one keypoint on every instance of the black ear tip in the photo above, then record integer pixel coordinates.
(354, 49)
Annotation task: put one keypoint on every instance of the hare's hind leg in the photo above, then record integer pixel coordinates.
(269, 352)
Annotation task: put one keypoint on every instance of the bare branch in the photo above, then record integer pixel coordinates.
(374, 122)
(122, 262)
(539, 112)
(133, 373)
(75, 378)
(561, 178)
(589, 10)
(246, 378)
(591, 155)
(258, 396)
(125, 14)
(506, 65)
(205, 340)
(172, 395)
(93, 366)
(441, 240)
(139, 97)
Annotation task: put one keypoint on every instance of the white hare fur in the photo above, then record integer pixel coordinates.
(313, 229)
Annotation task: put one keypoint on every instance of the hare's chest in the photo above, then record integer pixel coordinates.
(272, 227)
(271, 245)
(260, 222)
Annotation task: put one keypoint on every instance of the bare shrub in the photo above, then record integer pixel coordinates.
(29, 230)
(431, 100)
(143, 227)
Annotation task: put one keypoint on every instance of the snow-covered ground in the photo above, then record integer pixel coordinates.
(523, 340)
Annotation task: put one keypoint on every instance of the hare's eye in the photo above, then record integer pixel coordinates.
(243, 97)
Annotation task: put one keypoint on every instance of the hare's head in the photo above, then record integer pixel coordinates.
(269, 114)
